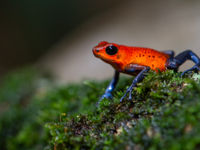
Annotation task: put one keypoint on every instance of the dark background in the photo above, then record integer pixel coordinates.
(29, 28)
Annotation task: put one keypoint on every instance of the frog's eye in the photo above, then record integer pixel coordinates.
(111, 50)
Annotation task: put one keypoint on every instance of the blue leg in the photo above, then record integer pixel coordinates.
(110, 88)
(174, 63)
(137, 79)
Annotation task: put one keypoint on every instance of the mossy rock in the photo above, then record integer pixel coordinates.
(163, 114)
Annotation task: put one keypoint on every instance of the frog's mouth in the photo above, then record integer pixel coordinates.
(107, 60)
(96, 55)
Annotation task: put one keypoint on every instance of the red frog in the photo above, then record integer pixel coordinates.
(138, 61)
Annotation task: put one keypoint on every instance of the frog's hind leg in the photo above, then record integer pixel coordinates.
(174, 63)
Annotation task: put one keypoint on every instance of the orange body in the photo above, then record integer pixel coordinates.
(127, 55)
(145, 57)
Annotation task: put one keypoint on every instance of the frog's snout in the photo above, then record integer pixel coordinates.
(95, 52)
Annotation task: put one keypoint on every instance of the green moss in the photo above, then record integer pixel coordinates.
(163, 114)
(158, 117)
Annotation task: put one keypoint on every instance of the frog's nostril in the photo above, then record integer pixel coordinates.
(95, 51)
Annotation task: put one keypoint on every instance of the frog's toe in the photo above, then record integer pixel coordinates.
(129, 90)
(194, 68)
(105, 96)
(123, 97)
(130, 95)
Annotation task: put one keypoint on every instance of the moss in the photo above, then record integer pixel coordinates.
(163, 114)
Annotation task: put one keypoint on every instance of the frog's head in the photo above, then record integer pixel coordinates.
(108, 52)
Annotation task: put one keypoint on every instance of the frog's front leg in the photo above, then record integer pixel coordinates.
(131, 68)
(111, 87)
(174, 63)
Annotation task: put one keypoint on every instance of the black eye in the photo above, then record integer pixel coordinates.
(111, 50)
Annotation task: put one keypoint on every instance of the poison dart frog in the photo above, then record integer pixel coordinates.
(138, 61)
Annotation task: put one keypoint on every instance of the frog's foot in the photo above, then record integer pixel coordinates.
(130, 94)
(194, 68)
(105, 96)
(129, 90)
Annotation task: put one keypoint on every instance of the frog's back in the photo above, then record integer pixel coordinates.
(147, 57)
